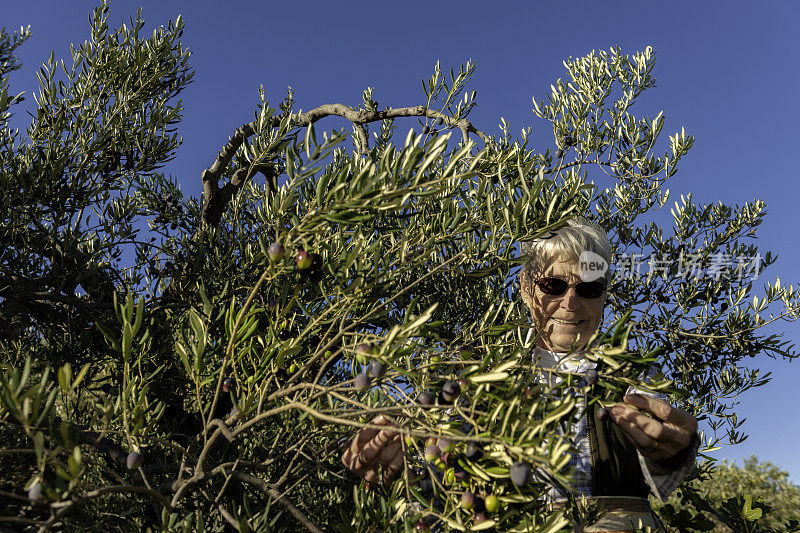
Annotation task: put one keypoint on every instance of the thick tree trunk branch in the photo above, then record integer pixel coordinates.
(216, 198)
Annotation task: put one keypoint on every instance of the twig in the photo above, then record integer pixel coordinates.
(280, 498)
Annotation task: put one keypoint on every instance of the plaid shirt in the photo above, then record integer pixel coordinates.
(661, 485)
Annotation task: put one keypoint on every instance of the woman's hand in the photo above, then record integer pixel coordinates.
(375, 455)
(665, 438)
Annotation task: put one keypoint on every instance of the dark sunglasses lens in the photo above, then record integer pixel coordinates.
(553, 286)
(590, 289)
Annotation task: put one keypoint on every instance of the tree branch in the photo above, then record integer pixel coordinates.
(280, 498)
(216, 198)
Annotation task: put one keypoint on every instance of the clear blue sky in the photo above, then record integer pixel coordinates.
(729, 72)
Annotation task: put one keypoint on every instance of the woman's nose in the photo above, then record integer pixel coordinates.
(570, 299)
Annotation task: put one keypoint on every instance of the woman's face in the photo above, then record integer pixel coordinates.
(564, 320)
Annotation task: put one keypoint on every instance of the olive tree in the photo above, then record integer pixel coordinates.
(757, 496)
(178, 363)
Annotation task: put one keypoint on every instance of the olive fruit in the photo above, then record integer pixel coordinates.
(426, 398)
(431, 453)
(460, 474)
(569, 140)
(425, 130)
(520, 474)
(363, 353)
(480, 517)
(229, 384)
(559, 153)
(463, 383)
(468, 500)
(602, 414)
(276, 251)
(35, 492)
(451, 390)
(422, 527)
(316, 261)
(377, 369)
(591, 376)
(445, 445)
(303, 260)
(134, 460)
(465, 352)
(491, 503)
(473, 452)
(362, 382)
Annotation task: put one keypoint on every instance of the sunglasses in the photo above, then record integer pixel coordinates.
(584, 289)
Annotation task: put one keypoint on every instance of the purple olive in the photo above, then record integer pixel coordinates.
(426, 398)
(559, 153)
(591, 376)
(134, 460)
(229, 384)
(316, 262)
(461, 474)
(480, 517)
(276, 251)
(303, 260)
(468, 500)
(422, 527)
(473, 452)
(431, 453)
(362, 382)
(602, 414)
(35, 492)
(451, 391)
(364, 348)
(445, 445)
(377, 369)
(520, 474)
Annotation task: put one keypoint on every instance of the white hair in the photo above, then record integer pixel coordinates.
(578, 235)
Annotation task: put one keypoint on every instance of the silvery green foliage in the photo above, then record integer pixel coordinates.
(416, 228)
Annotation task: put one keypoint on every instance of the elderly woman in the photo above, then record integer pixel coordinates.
(621, 459)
